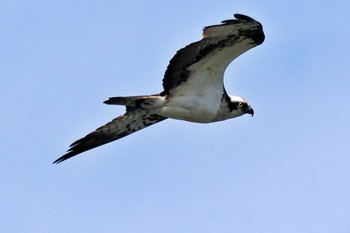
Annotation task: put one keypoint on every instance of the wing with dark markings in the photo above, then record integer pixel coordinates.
(220, 45)
(121, 126)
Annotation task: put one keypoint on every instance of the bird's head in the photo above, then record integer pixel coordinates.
(238, 106)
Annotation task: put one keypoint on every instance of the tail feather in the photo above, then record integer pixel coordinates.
(121, 126)
(126, 101)
(129, 100)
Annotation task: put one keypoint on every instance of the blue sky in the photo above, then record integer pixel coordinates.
(284, 170)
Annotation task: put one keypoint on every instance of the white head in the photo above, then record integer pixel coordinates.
(239, 106)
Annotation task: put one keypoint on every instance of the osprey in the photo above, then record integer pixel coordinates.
(193, 86)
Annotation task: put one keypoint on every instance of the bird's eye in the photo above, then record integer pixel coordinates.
(240, 104)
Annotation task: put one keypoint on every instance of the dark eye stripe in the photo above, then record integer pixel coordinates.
(241, 105)
(237, 105)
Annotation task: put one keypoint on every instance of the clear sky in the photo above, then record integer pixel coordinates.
(286, 170)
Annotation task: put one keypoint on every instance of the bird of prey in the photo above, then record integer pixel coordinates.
(193, 86)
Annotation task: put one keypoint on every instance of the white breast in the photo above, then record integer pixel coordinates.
(197, 99)
(189, 109)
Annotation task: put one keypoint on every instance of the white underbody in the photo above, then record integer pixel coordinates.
(194, 109)
(195, 101)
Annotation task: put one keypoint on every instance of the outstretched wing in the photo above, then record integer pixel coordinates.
(121, 126)
(203, 63)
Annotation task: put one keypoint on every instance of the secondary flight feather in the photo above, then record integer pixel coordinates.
(193, 86)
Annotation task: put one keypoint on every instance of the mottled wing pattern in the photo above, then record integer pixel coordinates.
(121, 126)
(219, 46)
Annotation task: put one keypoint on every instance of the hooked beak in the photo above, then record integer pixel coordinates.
(250, 111)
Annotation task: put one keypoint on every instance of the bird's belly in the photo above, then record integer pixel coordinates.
(199, 116)
(190, 109)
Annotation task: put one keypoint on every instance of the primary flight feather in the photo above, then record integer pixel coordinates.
(193, 86)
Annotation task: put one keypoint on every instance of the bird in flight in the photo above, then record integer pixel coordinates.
(193, 86)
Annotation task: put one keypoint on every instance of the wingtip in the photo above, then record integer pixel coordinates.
(60, 159)
(239, 18)
(57, 161)
(109, 101)
(243, 17)
(66, 156)
(115, 101)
